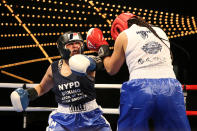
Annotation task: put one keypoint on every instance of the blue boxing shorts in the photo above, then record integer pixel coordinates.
(161, 100)
(78, 121)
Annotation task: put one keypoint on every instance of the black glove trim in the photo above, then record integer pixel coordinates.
(32, 94)
(99, 63)
(104, 51)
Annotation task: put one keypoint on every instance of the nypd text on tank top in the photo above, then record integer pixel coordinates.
(71, 92)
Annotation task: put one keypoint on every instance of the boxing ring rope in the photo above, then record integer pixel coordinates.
(97, 86)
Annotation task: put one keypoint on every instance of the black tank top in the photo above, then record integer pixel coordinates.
(72, 90)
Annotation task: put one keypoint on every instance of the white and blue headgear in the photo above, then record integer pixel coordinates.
(67, 38)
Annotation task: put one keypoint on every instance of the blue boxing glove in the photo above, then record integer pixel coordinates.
(20, 98)
(80, 64)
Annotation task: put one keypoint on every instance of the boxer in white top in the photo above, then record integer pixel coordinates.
(152, 92)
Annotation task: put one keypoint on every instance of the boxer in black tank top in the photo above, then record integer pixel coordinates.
(74, 90)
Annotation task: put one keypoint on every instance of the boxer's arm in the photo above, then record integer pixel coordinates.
(116, 60)
(46, 83)
(96, 41)
(20, 97)
(92, 74)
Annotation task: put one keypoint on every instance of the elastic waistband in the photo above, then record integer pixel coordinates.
(152, 73)
(70, 109)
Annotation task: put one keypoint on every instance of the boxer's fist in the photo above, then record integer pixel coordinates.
(104, 51)
(19, 99)
(99, 62)
(95, 39)
(80, 64)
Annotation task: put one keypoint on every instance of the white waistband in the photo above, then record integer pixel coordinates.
(152, 73)
(70, 109)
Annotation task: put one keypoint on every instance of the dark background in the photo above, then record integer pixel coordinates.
(183, 48)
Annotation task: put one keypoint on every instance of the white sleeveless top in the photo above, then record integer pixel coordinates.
(146, 55)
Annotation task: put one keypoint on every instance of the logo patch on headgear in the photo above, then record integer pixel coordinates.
(73, 36)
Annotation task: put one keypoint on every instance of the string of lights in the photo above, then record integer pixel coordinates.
(26, 46)
(43, 18)
(16, 76)
(28, 61)
(27, 30)
(41, 34)
(54, 25)
(168, 24)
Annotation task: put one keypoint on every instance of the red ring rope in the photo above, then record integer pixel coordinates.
(191, 113)
(190, 87)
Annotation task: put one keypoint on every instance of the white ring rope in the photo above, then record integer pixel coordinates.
(10, 85)
(18, 85)
(21, 85)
